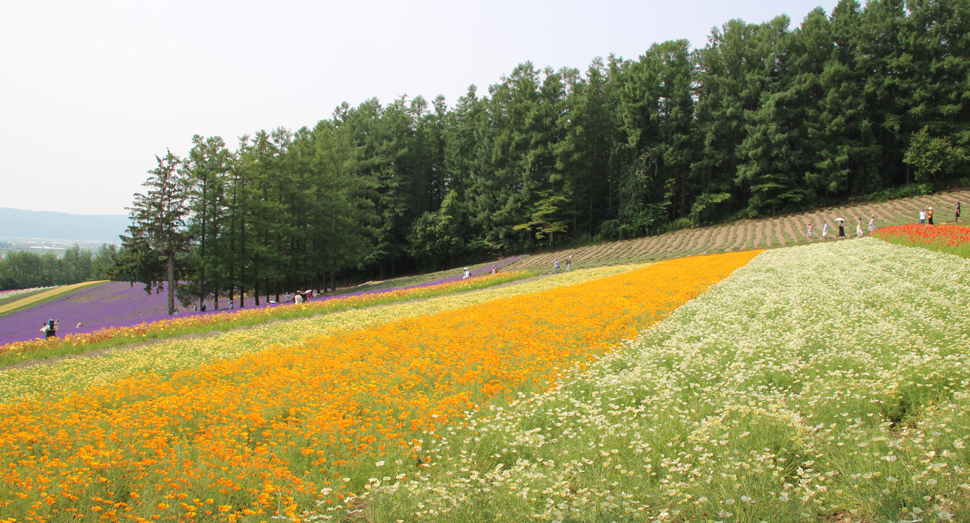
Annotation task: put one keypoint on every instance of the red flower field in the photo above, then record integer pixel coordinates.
(952, 239)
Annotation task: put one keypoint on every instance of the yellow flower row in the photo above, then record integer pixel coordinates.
(56, 291)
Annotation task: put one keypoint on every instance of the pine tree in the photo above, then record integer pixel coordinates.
(157, 236)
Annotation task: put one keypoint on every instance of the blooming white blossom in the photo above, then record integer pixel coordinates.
(811, 380)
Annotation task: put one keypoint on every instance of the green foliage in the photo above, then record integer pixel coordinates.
(764, 119)
(25, 270)
(929, 156)
(157, 237)
(436, 238)
(544, 214)
(704, 209)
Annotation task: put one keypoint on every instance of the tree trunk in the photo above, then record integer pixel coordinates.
(171, 283)
(242, 291)
(256, 290)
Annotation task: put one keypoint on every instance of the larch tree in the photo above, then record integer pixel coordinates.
(157, 236)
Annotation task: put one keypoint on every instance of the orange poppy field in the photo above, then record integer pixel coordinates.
(952, 239)
(288, 430)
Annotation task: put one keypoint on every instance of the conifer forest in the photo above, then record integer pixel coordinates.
(760, 119)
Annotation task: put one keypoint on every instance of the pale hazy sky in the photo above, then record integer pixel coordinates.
(91, 91)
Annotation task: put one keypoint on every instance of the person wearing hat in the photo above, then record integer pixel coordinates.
(929, 216)
(50, 329)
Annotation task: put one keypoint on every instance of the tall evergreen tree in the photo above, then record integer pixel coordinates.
(207, 167)
(157, 236)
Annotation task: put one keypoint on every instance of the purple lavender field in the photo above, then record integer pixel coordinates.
(114, 304)
(119, 304)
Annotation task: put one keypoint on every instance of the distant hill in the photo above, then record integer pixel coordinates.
(15, 223)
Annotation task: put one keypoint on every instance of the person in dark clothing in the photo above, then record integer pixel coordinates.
(50, 329)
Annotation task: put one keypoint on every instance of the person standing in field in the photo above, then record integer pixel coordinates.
(555, 265)
(929, 216)
(922, 217)
(957, 213)
(569, 263)
(809, 232)
(49, 329)
(825, 230)
(841, 229)
(872, 224)
(858, 229)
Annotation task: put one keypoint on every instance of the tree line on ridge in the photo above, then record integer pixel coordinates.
(26, 269)
(763, 119)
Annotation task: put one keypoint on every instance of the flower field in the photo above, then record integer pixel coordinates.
(11, 295)
(274, 431)
(827, 382)
(820, 383)
(435, 278)
(44, 382)
(115, 313)
(27, 297)
(104, 306)
(951, 239)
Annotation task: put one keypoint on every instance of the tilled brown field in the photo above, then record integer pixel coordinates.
(750, 234)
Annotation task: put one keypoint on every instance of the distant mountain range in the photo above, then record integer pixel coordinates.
(48, 225)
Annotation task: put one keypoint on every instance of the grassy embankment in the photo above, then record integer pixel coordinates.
(761, 233)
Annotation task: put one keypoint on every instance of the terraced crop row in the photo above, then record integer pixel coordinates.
(752, 234)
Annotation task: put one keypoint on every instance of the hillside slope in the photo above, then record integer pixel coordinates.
(749, 234)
